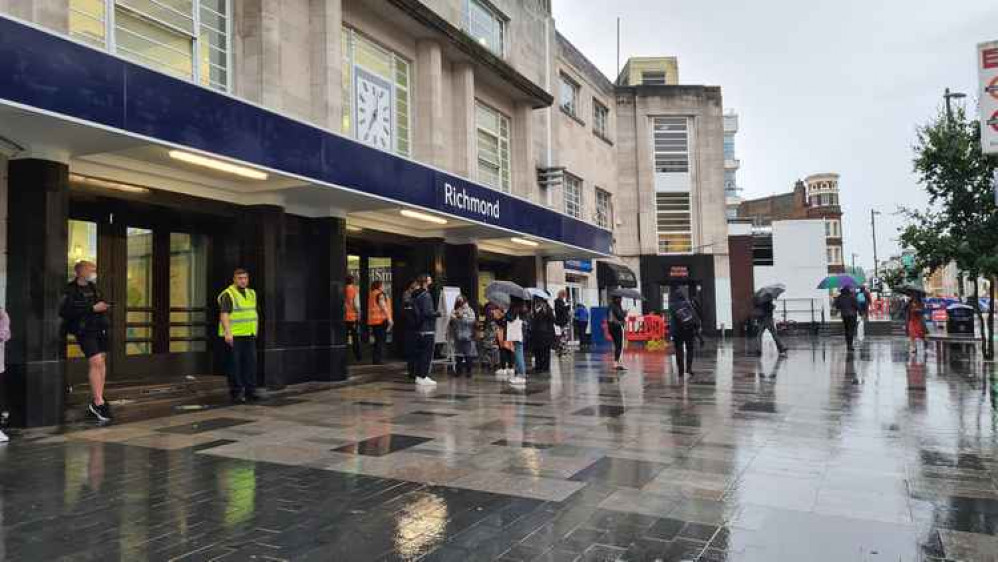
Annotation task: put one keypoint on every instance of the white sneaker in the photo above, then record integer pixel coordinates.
(3, 437)
(518, 380)
(500, 372)
(425, 381)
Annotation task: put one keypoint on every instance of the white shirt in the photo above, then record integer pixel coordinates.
(514, 330)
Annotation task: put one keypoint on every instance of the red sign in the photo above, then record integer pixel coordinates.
(992, 88)
(994, 121)
(989, 58)
(679, 271)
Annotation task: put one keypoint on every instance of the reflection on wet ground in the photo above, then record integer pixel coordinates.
(820, 456)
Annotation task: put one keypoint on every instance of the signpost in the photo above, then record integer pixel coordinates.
(987, 69)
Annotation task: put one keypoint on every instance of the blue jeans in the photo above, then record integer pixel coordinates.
(521, 364)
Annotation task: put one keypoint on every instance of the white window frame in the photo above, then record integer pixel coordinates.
(673, 212)
(833, 228)
(656, 82)
(574, 105)
(604, 209)
(110, 43)
(573, 196)
(350, 35)
(679, 160)
(505, 166)
(601, 119)
(834, 255)
(498, 19)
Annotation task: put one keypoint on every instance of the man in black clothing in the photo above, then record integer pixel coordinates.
(684, 329)
(542, 335)
(425, 314)
(84, 315)
(562, 311)
(849, 309)
(762, 312)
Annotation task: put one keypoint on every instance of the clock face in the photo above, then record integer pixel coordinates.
(374, 110)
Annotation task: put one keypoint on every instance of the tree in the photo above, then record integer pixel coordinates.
(961, 223)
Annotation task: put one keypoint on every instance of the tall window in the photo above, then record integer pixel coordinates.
(833, 228)
(729, 147)
(604, 209)
(487, 26)
(672, 150)
(188, 293)
(601, 119)
(375, 94)
(730, 182)
(834, 255)
(674, 223)
(189, 39)
(573, 196)
(493, 147)
(569, 100)
(653, 78)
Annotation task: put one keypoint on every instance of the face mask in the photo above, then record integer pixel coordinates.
(92, 278)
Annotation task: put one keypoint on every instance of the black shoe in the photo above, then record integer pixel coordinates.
(98, 412)
(238, 398)
(106, 410)
(252, 397)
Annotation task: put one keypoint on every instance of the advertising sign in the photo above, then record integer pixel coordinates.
(987, 69)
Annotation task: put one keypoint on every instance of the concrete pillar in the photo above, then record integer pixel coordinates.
(326, 20)
(38, 204)
(524, 170)
(463, 110)
(262, 249)
(326, 300)
(430, 120)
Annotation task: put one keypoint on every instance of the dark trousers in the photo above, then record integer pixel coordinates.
(240, 360)
(765, 324)
(353, 334)
(685, 349)
(580, 332)
(424, 347)
(505, 358)
(411, 353)
(463, 364)
(849, 323)
(617, 333)
(380, 333)
(542, 359)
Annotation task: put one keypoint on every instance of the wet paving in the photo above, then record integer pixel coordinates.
(823, 455)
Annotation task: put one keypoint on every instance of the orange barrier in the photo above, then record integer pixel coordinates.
(650, 327)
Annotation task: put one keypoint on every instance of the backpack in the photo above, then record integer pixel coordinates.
(686, 318)
(410, 312)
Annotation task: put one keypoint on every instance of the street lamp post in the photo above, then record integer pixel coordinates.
(873, 230)
(948, 95)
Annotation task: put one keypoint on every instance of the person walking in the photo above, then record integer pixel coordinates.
(238, 324)
(542, 335)
(4, 338)
(84, 315)
(379, 320)
(762, 313)
(914, 323)
(562, 319)
(462, 331)
(848, 308)
(351, 314)
(615, 321)
(581, 322)
(426, 328)
(411, 324)
(684, 329)
(506, 347)
(515, 328)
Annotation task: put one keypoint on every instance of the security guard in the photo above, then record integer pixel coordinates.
(379, 320)
(238, 326)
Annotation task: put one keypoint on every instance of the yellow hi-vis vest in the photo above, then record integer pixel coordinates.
(243, 317)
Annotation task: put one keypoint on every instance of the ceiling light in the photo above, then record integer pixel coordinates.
(219, 165)
(524, 242)
(422, 216)
(352, 228)
(107, 184)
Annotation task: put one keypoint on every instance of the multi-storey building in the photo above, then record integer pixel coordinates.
(814, 197)
(732, 192)
(302, 139)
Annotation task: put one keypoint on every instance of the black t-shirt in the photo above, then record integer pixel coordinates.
(225, 301)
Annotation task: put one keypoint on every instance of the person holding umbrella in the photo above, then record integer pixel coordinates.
(914, 322)
(615, 320)
(848, 307)
(763, 306)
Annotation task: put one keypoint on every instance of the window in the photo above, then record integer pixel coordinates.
(834, 255)
(139, 292)
(189, 39)
(188, 293)
(493, 147)
(375, 94)
(730, 182)
(573, 196)
(82, 246)
(604, 209)
(601, 119)
(833, 228)
(486, 26)
(569, 96)
(671, 138)
(673, 222)
(653, 78)
(729, 147)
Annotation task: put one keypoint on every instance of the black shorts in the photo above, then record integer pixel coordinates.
(92, 343)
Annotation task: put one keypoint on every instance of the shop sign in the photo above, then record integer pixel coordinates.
(679, 271)
(579, 265)
(470, 200)
(987, 70)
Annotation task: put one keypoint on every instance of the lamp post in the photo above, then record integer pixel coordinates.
(873, 230)
(948, 95)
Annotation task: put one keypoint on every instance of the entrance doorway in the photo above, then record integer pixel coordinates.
(366, 270)
(154, 273)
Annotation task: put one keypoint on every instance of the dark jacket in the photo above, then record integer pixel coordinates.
(675, 329)
(847, 304)
(77, 309)
(542, 327)
(562, 314)
(617, 314)
(426, 313)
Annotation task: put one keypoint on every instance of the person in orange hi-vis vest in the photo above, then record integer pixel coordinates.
(379, 319)
(351, 314)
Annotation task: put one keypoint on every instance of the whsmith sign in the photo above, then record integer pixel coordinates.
(987, 69)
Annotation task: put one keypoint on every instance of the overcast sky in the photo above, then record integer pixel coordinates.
(819, 85)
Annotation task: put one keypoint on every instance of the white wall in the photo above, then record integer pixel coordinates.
(799, 262)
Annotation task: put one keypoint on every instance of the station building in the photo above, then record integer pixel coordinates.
(172, 141)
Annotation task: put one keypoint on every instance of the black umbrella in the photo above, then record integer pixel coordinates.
(770, 292)
(910, 289)
(501, 293)
(626, 293)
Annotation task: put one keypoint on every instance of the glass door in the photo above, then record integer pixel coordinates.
(188, 293)
(139, 311)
